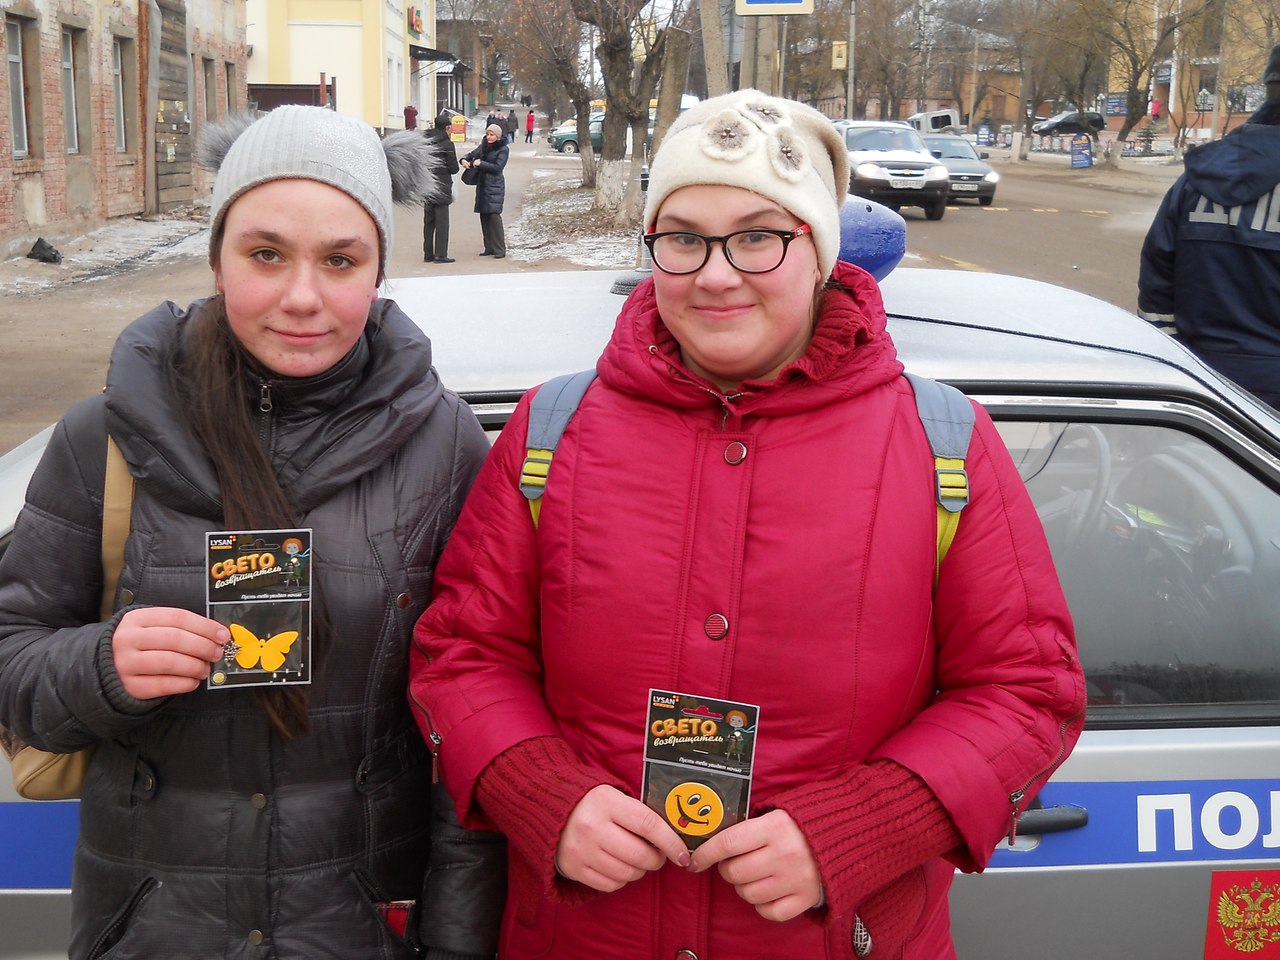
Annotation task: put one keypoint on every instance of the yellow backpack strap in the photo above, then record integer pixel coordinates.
(117, 510)
(550, 411)
(947, 417)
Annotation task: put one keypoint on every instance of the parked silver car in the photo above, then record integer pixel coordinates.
(1159, 487)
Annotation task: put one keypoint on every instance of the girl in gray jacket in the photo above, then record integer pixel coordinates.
(273, 820)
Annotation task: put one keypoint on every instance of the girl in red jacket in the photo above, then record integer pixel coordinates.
(742, 512)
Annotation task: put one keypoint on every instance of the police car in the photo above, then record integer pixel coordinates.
(1158, 484)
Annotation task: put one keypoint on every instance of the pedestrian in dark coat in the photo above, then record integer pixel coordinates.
(512, 126)
(489, 159)
(435, 215)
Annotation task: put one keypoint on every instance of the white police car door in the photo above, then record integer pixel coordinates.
(1161, 832)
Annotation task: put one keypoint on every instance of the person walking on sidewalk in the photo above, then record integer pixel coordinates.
(512, 125)
(528, 128)
(435, 215)
(488, 160)
(1210, 268)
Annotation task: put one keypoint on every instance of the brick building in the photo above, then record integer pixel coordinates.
(100, 104)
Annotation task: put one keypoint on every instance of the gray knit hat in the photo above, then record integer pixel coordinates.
(781, 149)
(1272, 73)
(315, 143)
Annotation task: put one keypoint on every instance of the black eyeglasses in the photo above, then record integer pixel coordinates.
(748, 251)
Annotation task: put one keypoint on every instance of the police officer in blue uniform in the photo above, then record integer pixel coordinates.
(1210, 271)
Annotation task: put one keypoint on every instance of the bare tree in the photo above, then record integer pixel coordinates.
(629, 84)
(1137, 45)
(546, 40)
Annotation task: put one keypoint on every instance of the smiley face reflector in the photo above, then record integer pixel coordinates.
(694, 809)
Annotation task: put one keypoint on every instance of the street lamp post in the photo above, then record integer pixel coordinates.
(848, 78)
(973, 101)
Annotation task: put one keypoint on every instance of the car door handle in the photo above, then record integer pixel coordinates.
(1038, 819)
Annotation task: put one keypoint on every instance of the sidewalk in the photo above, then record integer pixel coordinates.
(1151, 176)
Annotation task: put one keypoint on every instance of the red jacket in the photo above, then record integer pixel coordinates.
(817, 548)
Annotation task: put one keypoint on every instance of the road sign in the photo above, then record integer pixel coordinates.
(747, 8)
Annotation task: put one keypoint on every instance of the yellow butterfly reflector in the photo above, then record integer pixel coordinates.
(270, 652)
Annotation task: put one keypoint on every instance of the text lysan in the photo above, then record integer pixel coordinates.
(1228, 821)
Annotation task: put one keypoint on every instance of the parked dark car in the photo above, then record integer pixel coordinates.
(565, 137)
(1071, 121)
(971, 177)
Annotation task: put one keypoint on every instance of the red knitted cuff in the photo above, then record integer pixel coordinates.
(529, 791)
(868, 827)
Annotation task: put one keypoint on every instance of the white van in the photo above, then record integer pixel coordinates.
(937, 121)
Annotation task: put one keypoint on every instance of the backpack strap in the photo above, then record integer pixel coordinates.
(947, 417)
(550, 411)
(117, 510)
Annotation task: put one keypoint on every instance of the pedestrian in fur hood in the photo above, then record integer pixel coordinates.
(257, 783)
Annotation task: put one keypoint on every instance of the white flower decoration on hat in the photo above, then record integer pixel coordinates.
(726, 137)
(787, 154)
(766, 114)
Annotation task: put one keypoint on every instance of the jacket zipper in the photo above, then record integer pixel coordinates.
(1016, 797)
(434, 740)
(725, 401)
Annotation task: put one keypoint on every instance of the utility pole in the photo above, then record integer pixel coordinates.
(973, 103)
(848, 70)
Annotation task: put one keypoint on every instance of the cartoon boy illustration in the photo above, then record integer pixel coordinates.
(295, 567)
(736, 748)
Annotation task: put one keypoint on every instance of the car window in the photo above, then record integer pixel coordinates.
(1169, 552)
(950, 148)
(878, 138)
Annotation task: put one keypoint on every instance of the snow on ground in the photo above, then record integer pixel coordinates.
(119, 245)
(556, 221)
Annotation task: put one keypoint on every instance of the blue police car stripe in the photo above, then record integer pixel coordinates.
(36, 844)
(1147, 821)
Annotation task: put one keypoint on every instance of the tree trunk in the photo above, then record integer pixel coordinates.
(713, 48)
(674, 69)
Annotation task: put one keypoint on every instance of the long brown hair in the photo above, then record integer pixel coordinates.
(209, 380)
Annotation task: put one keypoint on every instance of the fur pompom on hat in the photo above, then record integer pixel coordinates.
(783, 150)
(315, 143)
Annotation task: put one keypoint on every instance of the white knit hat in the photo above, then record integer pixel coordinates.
(781, 149)
(315, 143)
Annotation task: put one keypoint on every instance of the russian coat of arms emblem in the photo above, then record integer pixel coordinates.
(1249, 915)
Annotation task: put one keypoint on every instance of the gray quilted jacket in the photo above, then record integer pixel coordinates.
(201, 835)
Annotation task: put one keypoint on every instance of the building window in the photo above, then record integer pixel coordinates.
(124, 82)
(17, 86)
(231, 87)
(210, 90)
(74, 85)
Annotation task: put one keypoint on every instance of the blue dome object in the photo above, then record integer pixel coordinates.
(872, 236)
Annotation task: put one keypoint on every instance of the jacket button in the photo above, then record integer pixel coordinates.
(148, 782)
(685, 954)
(259, 801)
(403, 600)
(126, 597)
(717, 626)
(256, 937)
(735, 453)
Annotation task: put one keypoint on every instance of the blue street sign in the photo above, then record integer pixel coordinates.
(747, 8)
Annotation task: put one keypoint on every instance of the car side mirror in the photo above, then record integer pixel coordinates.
(984, 155)
(937, 153)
